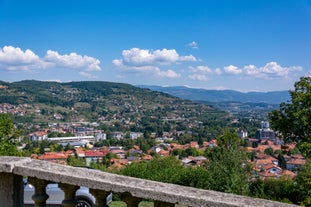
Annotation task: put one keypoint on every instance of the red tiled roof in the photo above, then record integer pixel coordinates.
(94, 153)
(164, 153)
(194, 144)
(297, 161)
(117, 151)
(53, 156)
(147, 157)
(270, 165)
(289, 173)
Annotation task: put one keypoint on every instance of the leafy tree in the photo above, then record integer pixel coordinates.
(269, 151)
(281, 189)
(163, 169)
(228, 169)
(7, 147)
(305, 149)
(303, 185)
(6, 126)
(75, 161)
(293, 118)
(281, 161)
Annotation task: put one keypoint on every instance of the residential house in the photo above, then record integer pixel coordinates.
(117, 164)
(94, 156)
(56, 157)
(38, 136)
(117, 135)
(136, 135)
(194, 144)
(295, 162)
(80, 152)
(120, 153)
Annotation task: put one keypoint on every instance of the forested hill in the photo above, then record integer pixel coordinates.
(195, 94)
(101, 101)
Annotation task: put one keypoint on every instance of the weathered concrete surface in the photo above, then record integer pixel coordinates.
(136, 187)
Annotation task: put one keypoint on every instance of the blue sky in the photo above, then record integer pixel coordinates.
(246, 45)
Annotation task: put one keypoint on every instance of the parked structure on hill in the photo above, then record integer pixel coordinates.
(265, 132)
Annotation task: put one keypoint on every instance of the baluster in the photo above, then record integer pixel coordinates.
(130, 200)
(70, 199)
(40, 195)
(101, 197)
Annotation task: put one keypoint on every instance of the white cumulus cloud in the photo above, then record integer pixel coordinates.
(167, 74)
(202, 72)
(231, 69)
(73, 60)
(143, 57)
(201, 69)
(14, 58)
(269, 70)
(147, 61)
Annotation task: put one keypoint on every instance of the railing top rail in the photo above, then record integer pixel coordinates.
(140, 188)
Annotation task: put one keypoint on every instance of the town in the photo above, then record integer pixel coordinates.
(265, 149)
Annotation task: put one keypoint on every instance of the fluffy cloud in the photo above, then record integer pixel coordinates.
(201, 69)
(73, 60)
(153, 71)
(270, 70)
(232, 70)
(201, 72)
(193, 45)
(148, 61)
(167, 74)
(14, 58)
(143, 57)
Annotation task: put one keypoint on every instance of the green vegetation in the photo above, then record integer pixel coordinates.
(227, 169)
(293, 118)
(7, 135)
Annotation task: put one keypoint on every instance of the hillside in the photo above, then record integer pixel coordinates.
(104, 102)
(274, 97)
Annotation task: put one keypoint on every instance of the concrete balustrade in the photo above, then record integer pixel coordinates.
(132, 190)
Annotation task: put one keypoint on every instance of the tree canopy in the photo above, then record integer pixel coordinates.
(294, 117)
(6, 133)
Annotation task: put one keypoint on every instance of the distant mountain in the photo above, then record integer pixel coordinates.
(204, 95)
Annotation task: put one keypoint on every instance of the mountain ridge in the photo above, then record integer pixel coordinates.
(209, 95)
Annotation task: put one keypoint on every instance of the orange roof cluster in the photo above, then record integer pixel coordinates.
(53, 156)
(95, 153)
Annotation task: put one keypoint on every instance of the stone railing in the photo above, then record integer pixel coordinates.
(131, 190)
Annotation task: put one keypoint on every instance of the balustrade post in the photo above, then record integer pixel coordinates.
(11, 190)
(70, 199)
(40, 196)
(163, 204)
(101, 197)
(130, 200)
